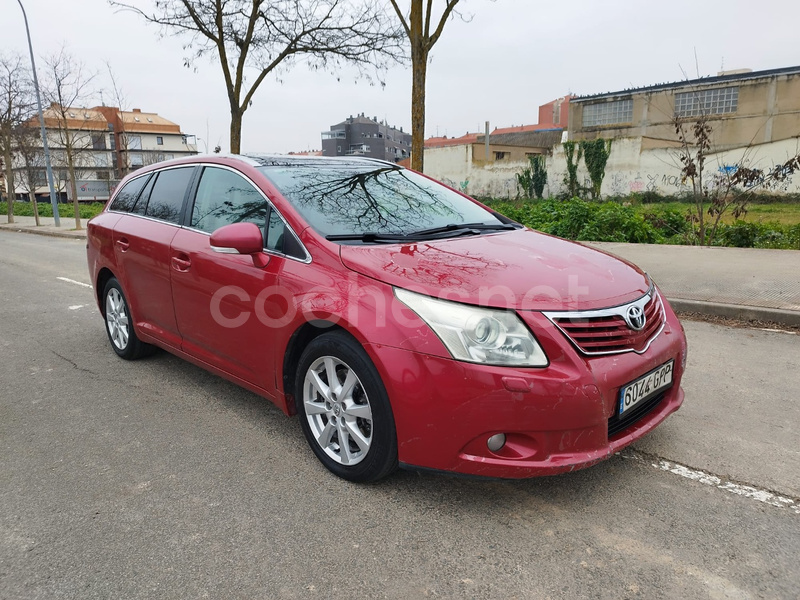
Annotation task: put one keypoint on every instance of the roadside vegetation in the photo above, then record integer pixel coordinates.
(652, 219)
(25, 209)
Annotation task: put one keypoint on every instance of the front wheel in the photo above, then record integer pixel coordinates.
(119, 324)
(344, 409)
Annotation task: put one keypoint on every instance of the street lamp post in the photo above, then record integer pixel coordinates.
(48, 166)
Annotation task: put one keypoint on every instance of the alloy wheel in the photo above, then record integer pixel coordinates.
(117, 319)
(338, 410)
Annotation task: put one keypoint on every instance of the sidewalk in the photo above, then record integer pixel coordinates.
(47, 227)
(740, 283)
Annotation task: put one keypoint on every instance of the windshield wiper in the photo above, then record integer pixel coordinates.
(451, 230)
(369, 237)
(465, 227)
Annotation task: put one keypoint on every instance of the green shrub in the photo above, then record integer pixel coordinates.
(578, 219)
(65, 210)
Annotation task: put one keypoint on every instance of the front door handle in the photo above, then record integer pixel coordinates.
(181, 263)
(123, 244)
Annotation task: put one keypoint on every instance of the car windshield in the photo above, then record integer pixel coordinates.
(377, 202)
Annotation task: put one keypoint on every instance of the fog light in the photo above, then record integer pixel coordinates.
(496, 442)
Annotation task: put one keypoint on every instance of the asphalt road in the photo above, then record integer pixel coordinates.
(155, 479)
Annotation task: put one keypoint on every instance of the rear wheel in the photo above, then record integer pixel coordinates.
(119, 324)
(344, 409)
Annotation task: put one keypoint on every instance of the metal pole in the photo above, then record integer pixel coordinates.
(49, 167)
(486, 140)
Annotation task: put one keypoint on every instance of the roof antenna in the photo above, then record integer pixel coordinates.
(696, 64)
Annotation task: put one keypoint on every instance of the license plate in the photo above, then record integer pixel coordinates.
(645, 387)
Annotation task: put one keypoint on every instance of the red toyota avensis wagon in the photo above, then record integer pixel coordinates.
(405, 323)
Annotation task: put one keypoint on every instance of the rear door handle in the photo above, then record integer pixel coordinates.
(123, 244)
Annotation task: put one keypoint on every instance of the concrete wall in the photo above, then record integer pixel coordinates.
(633, 166)
(464, 168)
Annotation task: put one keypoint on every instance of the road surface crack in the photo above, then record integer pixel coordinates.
(74, 364)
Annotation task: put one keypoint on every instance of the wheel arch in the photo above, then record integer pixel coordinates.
(298, 342)
(103, 277)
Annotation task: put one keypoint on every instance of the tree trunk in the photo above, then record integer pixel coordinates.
(32, 196)
(419, 67)
(9, 184)
(419, 59)
(73, 188)
(236, 130)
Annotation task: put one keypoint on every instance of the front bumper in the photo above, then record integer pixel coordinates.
(555, 419)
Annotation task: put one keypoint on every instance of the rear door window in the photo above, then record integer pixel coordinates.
(169, 191)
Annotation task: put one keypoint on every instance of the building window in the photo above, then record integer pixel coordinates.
(332, 135)
(608, 113)
(159, 140)
(99, 141)
(112, 142)
(137, 160)
(135, 142)
(500, 155)
(717, 101)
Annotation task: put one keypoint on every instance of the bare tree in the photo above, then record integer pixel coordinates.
(119, 101)
(263, 37)
(423, 31)
(68, 91)
(28, 146)
(16, 106)
(729, 188)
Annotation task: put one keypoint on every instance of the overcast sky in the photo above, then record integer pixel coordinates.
(513, 56)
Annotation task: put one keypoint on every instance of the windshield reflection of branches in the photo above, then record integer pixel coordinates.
(384, 200)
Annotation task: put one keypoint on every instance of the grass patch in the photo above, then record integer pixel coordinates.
(783, 213)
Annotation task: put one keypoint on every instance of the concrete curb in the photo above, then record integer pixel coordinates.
(737, 311)
(77, 235)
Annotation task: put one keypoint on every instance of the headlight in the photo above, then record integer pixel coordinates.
(476, 334)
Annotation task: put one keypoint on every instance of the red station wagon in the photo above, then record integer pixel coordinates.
(405, 323)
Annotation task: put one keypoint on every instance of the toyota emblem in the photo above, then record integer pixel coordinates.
(635, 318)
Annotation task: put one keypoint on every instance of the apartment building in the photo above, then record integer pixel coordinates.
(362, 136)
(108, 143)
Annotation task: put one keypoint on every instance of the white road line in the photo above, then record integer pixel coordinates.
(73, 281)
(739, 489)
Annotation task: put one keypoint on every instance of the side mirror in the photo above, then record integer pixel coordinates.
(240, 238)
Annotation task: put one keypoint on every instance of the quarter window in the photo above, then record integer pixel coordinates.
(608, 113)
(223, 197)
(126, 197)
(166, 198)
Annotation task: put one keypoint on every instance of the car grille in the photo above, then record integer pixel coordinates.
(617, 423)
(606, 331)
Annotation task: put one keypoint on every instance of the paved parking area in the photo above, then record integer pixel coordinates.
(155, 479)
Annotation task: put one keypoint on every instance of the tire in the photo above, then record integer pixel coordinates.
(356, 408)
(119, 324)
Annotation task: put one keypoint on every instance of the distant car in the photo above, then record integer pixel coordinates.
(406, 323)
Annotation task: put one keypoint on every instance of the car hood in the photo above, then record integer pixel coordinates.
(521, 270)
